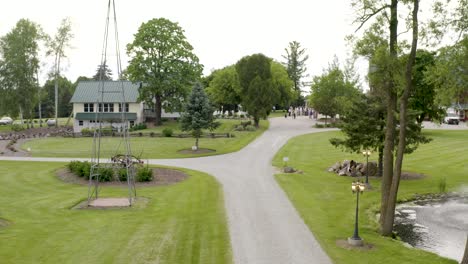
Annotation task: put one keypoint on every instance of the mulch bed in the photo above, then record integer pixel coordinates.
(161, 176)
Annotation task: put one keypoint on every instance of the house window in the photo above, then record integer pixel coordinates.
(89, 107)
(121, 108)
(80, 122)
(106, 107)
(132, 123)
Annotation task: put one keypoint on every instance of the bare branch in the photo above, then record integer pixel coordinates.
(365, 17)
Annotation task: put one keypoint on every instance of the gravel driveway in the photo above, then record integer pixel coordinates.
(263, 224)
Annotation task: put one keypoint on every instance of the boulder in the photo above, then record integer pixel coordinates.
(289, 170)
(372, 168)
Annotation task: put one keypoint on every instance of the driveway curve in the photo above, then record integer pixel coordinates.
(264, 226)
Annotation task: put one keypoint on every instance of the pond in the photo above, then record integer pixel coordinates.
(439, 226)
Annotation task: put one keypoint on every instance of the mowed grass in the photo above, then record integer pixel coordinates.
(182, 223)
(327, 205)
(144, 147)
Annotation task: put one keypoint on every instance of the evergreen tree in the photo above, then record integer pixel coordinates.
(198, 113)
(103, 73)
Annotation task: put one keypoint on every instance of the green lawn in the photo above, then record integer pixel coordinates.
(145, 147)
(327, 205)
(182, 223)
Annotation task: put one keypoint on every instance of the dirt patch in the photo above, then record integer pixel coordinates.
(198, 151)
(4, 223)
(161, 176)
(342, 243)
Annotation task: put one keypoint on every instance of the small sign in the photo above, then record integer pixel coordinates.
(285, 159)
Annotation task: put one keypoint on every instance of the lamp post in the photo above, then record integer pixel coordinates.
(367, 153)
(355, 240)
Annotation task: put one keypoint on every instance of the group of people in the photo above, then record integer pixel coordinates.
(301, 111)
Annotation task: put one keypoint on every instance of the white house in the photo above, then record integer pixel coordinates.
(90, 105)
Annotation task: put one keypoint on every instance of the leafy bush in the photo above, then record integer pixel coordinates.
(167, 132)
(442, 184)
(17, 127)
(105, 174)
(122, 173)
(85, 170)
(239, 128)
(250, 128)
(75, 167)
(138, 127)
(86, 132)
(144, 174)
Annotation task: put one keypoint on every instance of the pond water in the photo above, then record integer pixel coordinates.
(437, 226)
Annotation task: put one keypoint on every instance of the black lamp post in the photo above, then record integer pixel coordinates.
(355, 240)
(367, 154)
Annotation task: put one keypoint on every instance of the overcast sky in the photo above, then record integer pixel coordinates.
(221, 31)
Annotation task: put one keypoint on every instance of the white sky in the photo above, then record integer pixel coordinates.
(221, 31)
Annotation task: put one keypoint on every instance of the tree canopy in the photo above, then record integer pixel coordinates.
(257, 91)
(295, 63)
(332, 91)
(19, 65)
(163, 60)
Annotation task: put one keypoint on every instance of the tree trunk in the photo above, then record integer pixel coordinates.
(380, 170)
(158, 110)
(196, 142)
(465, 256)
(57, 72)
(387, 226)
(391, 122)
(256, 121)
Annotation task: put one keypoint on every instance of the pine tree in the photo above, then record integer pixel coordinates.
(198, 113)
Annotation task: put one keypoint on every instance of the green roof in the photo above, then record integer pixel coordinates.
(105, 116)
(89, 92)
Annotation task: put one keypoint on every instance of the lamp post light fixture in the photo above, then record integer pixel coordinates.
(367, 153)
(358, 188)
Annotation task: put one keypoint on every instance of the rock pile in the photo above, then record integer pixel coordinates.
(353, 169)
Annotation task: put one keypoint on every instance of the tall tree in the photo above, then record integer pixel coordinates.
(392, 172)
(198, 113)
(283, 84)
(258, 94)
(224, 88)
(19, 65)
(296, 59)
(103, 73)
(163, 59)
(57, 46)
(332, 92)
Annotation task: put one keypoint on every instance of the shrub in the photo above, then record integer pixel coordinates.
(167, 132)
(85, 170)
(250, 128)
(239, 128)
(246, 123)
(86, 132)
(105, 174)
(122, 173)
(17, 128)
(75, 167)
(144, 174)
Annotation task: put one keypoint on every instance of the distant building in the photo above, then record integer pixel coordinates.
(85, 104)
